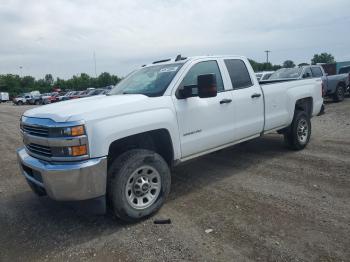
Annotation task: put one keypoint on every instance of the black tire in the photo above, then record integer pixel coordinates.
(293, 137)
(121, 172)
(339, 94)
(20, 103)
(37, 102)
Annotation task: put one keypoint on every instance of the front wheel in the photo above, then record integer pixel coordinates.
(299, 133)
(138, 184)
(339, 94)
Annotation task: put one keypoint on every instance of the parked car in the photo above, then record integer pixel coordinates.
(85, 93)
(46, 98)
(346, 70)
(75, 94)
(263, 75)
(33, 100)
(122, 146)
(334, 86)
(4, 97)
(66, 96)
(96, 92)
(21, 99)
(60, 96)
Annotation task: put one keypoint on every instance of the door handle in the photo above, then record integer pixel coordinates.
(256, 95)
(225, 101)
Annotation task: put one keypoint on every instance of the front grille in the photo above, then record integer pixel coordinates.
(39, 149)
(36, 130)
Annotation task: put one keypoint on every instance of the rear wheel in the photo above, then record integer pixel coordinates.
(139, 182)
(339, 94)
(298, 134)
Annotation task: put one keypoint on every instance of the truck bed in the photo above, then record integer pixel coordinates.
(280, 97)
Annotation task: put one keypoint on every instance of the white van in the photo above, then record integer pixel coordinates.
(4, 97)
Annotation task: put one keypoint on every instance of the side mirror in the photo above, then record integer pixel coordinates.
(207, 85)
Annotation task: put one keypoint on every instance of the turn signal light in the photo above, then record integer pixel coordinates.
(79, 150)
(77, 131)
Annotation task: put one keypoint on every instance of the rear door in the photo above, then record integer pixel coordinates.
(204, 123)
(247, 99)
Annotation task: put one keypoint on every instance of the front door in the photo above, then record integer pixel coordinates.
(204, 123)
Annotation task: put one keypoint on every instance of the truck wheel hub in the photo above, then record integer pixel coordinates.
(302, 131)
(143, 187)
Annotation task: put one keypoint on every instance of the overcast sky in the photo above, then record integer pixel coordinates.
(60, 36)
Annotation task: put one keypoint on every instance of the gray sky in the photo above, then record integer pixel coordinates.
(60, 36)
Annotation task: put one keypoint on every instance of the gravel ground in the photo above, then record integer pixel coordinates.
(261, 201)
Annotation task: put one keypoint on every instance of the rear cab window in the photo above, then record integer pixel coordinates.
(307, 73)
(239, 74)
(316, 71)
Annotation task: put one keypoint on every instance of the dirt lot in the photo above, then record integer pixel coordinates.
(262, 201)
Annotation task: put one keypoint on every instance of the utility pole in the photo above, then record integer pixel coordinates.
(20, 70)
(267, 55)
(95, 64)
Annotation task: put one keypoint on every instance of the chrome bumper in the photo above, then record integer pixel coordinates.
(67, 180)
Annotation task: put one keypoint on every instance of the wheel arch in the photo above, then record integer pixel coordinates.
(304, 104)
(158, 140)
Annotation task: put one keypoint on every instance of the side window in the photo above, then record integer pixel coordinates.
(316, 72)
(307, 73)
(203, 68)
(239, 74)
(267, 76)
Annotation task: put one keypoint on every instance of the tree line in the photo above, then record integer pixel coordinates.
(318, 58)
(15, 84)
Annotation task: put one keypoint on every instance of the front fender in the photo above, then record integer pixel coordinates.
(102, 133)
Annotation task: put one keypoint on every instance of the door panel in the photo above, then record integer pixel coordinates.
(204, 123)
(247, 98)
(249, 112)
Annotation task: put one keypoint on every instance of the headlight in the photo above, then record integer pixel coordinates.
(73, 131)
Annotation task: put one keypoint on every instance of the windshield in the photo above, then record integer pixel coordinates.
(344, 70)
(286, 73)
(150, 81)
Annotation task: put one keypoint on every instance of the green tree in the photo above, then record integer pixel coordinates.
(303, 64)
(322, 58)
(104, 79)
(258, 67)
(288, 64)
(14, 84)
(49, 79)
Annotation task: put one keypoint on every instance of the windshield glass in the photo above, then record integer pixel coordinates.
(286, 73)
(344, 70)
(150, 81)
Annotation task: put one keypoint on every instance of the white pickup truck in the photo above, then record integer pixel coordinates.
(121, 146)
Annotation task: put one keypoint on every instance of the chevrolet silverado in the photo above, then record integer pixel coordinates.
(119, 148)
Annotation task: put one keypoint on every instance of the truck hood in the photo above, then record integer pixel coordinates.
(90, 107)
